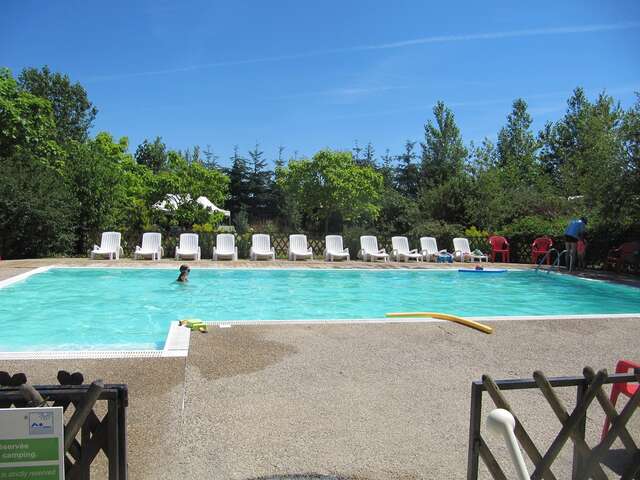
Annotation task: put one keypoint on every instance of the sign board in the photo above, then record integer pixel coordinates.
(31, 443)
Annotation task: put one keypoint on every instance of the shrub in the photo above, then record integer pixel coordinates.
(443, 232)
(533, 226)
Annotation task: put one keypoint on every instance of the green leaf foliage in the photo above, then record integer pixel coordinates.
(331, 183)
(61, 187)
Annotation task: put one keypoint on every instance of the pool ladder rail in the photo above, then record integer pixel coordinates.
(556, 262)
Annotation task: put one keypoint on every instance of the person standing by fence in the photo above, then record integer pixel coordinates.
(574, 233)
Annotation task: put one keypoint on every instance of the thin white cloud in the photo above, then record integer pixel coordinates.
(343, 93)
(534, 32)
(505, 101)
(567, 30)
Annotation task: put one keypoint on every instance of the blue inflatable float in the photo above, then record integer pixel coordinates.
(484, 270)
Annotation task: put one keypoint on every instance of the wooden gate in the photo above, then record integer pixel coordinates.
(586, 460)
(85, 432)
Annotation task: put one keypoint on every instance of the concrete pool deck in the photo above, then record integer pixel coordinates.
(365, 402)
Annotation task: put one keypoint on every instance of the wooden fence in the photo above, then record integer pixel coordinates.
(86, 433)
(586, 460)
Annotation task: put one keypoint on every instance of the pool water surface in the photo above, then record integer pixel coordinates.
(126, 308)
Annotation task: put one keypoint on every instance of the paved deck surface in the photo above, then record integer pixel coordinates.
(365, 402)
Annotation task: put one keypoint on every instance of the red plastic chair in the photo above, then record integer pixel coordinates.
(626, 253)
(626, 389)
(539, 248)
(499, 245)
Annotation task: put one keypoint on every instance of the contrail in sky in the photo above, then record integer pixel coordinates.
(535, 32)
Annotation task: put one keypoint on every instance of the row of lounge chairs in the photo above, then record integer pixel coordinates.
(188, 248)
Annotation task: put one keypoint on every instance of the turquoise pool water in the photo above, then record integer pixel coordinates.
(117, 309)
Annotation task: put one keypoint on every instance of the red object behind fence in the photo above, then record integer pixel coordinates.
(626, 389)
(499, 245)
(541, 247)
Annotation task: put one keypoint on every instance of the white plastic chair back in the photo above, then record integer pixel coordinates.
(334, 244)
(188, 243)
(298, 243)
(225, 244)
(110, 241)
(261, 242)
(461, 245)
(400, 244)
(369, 244)
(151, 242)
(429, 245)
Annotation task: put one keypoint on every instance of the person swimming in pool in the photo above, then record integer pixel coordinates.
(184, 274)
(574, 232)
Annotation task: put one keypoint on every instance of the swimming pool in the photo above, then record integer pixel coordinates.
(131, 309)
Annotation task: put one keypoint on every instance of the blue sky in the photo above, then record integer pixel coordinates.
(312, 75)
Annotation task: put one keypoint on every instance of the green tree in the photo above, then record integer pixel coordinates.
(259, 181)
(36, 209)
(332, 184)
(210, 158)
(153, 155)
(369, 157)
(408, 172)
(559, 140)
(588, 154)
(92, 168)
(284, 205)
(446, 202)
(630, 136)
(26, 123)
(238, 182)
(73, 112)
(517, 146)
(190, 181)
(443, 152)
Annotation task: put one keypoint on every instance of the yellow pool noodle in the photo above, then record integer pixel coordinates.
(443, 316)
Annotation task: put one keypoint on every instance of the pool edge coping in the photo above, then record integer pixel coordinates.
(176, 346)
(337, 321)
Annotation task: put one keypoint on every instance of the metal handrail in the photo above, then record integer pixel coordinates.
(556, 262)
(558, 258)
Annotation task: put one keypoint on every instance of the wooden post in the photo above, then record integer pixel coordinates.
(31, 395)
(79, 416)
(578, 462)
(474, 431)
(112, 441)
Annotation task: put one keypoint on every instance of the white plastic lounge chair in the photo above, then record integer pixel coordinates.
(225, 247)
(188, 247)
(462, 251)
(261, 247)
(429, 248)
(369, 251)
(298, 248)
(335, 250)
(401, 252)
(151, 247)
(109, 246)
